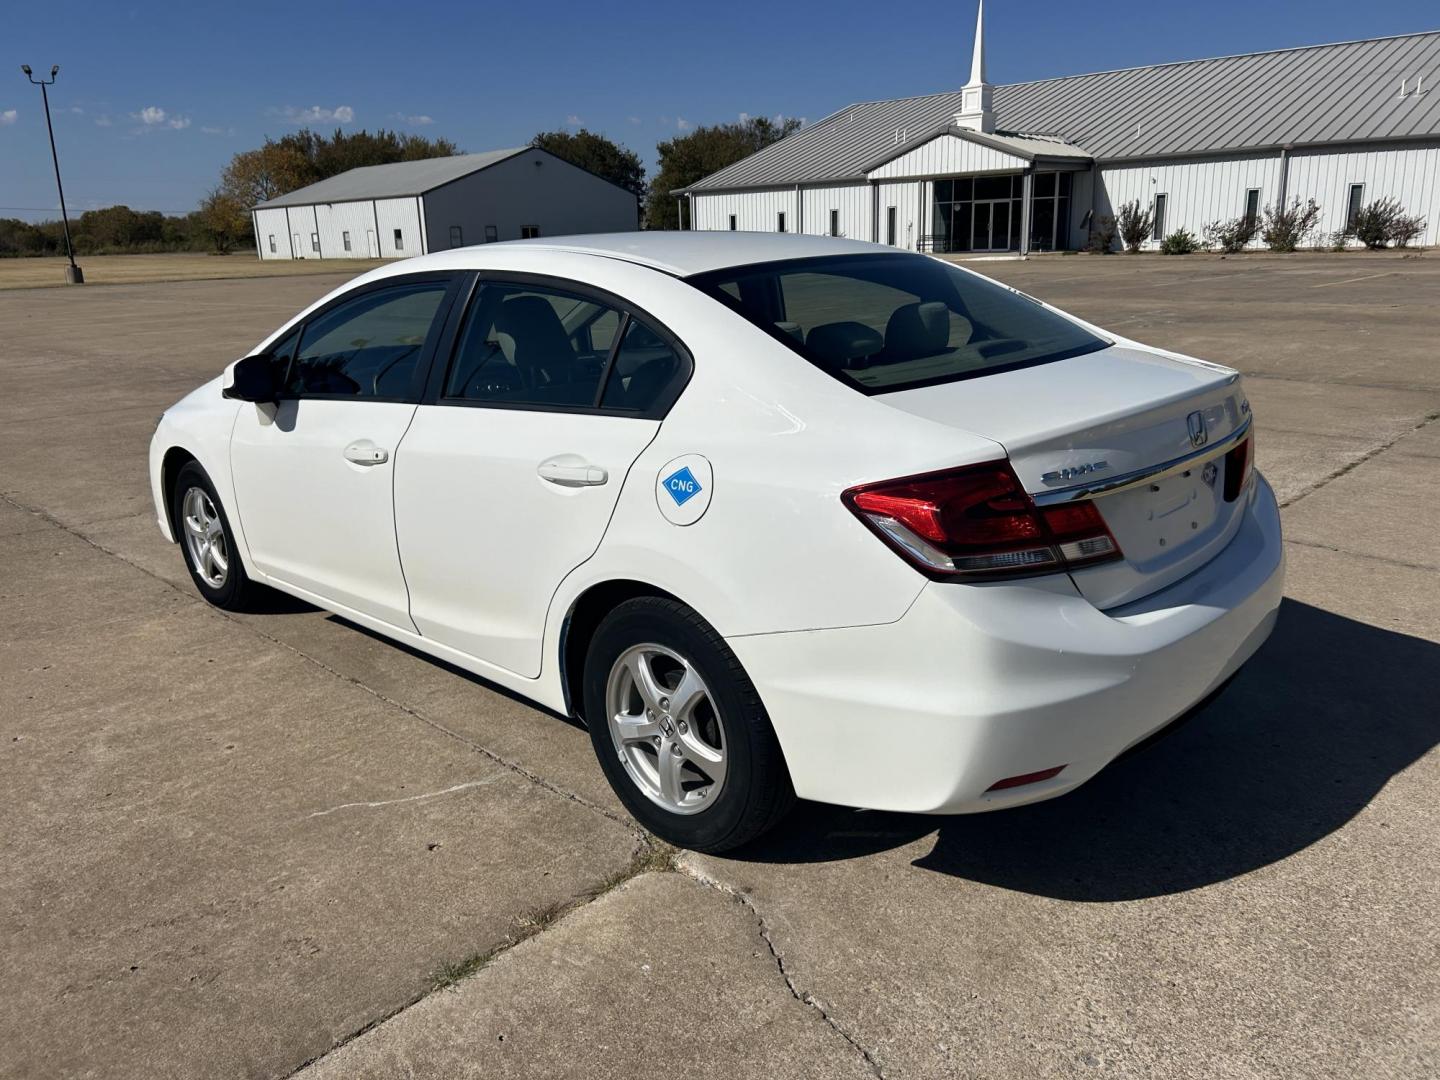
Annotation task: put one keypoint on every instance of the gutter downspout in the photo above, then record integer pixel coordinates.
(1284, 175)
(1027, 189)
(799, 211)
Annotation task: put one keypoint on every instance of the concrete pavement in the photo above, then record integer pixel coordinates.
(233, 844)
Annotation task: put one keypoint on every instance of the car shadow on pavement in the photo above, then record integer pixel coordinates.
(1319, 721)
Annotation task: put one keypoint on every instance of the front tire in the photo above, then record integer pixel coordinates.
(679, 729)
(206, 540)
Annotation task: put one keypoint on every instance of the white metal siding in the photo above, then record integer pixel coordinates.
(270, 223)
(336, 219)
(755, 211)
(947, 155)
(399, 214)
(905, 196)
(1198, 192)
(1410, 176)
(557, 197)
(853, 202)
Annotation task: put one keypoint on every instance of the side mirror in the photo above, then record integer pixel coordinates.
(256, 379)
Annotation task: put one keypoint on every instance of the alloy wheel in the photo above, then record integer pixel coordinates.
(205, 537)
(665, 728)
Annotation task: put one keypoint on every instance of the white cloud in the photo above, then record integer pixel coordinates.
(681, 124)
(207, 130)
(315, 114)
(634, 120)
(8, 117)
(744, 116)
(152, 116)
(574, 121)
(103, 121)
(420, 120)
(77, 110)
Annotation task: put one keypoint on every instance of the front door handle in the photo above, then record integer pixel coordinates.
(568, 470)
(365, 452)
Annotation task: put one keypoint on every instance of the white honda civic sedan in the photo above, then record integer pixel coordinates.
(773, 515)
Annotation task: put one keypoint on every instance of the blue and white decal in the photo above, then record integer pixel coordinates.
(683, 489)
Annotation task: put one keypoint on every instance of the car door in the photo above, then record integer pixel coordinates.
(509, 473)
(314, 472)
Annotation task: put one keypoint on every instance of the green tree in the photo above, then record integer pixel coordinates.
(688, 158)
(224, 220)
(599, 155)
(304, 157)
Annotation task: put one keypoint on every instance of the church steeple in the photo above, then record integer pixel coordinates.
(976, 112)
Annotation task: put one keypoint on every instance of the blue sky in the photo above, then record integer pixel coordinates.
(153, 98)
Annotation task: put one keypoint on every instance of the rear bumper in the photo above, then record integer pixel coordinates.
(981, 682)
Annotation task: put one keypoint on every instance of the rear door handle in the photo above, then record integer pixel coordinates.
(365, 452)
(570, 471)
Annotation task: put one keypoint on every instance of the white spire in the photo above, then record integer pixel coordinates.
(975, 111)
(977, 61)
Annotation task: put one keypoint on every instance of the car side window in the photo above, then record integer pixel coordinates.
(645, 366)
(527, 345)
(368, 347)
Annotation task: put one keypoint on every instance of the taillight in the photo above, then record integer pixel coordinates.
(978, 520)
(1239, 460)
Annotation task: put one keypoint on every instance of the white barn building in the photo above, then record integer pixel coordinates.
(415, 207)
(1028, 166)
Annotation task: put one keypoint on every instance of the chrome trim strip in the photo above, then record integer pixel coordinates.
(1141, 476)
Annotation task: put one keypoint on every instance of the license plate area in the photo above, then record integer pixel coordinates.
(1163, 519)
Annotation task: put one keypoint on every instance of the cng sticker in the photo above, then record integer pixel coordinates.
(683, 488)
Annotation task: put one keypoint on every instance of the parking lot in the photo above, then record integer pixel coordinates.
(275, 844)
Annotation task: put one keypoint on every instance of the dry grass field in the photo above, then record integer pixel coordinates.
(139, 269)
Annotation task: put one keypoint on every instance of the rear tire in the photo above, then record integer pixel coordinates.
(206, 541)
(679, 729)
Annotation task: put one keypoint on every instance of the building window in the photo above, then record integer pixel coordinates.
(1158, 233)
(780, 221)
(345, 239)
(491, 234)
(979, 213)
(399, 240)
(272, 243)
(834, 222)
(457, 238)
(732, 222)
(314, 241)
(1252, 207)
(529, 232)
(1352, 209)
(1050, 211)
(890, 225)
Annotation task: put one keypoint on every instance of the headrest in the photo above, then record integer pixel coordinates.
(919, 329)
(844, 344)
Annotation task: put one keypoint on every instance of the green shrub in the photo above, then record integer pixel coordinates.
(1179, 242)
(1286, 228)
(1231, 236)
(1384, 222)
(1135, 225)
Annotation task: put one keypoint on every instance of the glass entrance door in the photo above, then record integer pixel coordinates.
(990, 226)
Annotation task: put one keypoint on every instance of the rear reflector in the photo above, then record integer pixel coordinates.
(1025, 778)
(1239, 460)
(979, 521)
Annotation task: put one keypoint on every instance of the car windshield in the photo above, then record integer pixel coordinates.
(883, 323)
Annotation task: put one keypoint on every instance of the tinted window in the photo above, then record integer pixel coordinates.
(645, 365)
(369, 346)
(892, 322)
(525, 345)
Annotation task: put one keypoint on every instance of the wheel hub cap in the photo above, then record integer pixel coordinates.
(205, 538)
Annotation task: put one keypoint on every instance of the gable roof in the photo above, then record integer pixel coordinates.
(1347, 92)
(396, 180)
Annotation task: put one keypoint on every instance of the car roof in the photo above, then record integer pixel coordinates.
(678, 253)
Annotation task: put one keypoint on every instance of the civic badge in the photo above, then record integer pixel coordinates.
(1209, 474)
(1195, 422)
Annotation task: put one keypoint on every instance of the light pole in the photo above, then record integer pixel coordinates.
(73, 274)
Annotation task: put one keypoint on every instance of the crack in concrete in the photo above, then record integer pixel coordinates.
(408, 798)
(1373, 452)
(1362, 555)
(700, 877)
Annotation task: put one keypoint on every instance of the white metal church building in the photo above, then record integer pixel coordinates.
(1029, 166)
(414, 207)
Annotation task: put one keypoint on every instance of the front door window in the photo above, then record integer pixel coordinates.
(979, 213)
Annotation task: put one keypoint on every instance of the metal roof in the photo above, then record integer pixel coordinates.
(393, 181)
(1347, 92)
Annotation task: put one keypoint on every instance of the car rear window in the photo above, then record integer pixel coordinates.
(883, 323)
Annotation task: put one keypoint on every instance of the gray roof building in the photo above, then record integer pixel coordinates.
(394, 181)
(1311, 96)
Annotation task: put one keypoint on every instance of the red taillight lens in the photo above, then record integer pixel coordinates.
(979, 520)
(1239, 460)
(1025, 778)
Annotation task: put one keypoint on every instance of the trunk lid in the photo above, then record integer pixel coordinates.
(1100, 416)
